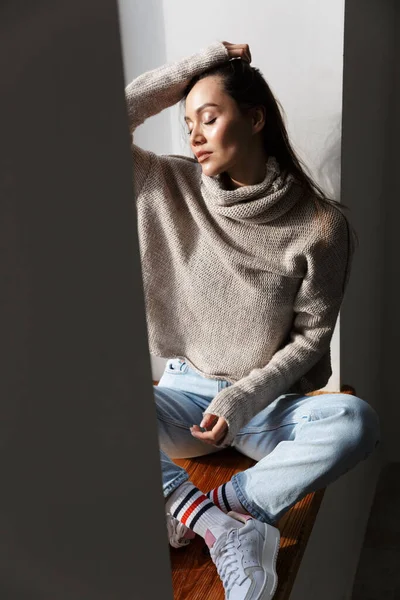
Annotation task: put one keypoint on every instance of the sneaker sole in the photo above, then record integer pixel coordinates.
(270, 555)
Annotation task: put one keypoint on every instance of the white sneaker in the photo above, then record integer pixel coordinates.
(178, 534)
(245, 558)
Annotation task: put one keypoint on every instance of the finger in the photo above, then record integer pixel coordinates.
(208, 420)
(238, 51)
(219, 429)
(243, 51)
(246, 52)
(200, 436)
(242, 55)
(216, 433)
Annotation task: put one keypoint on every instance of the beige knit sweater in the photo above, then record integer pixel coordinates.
(244, 284)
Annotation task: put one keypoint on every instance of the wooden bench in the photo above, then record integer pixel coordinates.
(194, 576)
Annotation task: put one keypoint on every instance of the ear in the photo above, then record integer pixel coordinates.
(258, 118)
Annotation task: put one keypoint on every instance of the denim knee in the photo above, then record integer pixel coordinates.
(365, 427)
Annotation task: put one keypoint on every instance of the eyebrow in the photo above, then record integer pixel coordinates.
(202, 107)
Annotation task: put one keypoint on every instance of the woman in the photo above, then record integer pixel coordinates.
(244, 265)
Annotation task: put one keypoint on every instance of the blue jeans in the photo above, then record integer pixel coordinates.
(300, 443)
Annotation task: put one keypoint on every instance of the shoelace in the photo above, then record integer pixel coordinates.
(227, 565)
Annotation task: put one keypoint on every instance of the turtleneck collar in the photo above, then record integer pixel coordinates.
(259, 203)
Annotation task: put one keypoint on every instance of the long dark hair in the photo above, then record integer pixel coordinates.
(247, 86)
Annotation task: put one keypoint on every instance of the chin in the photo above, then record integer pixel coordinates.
(212, 170)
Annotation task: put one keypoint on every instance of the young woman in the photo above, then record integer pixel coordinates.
(244, 265)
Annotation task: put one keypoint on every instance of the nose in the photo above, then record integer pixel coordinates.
(196, 136)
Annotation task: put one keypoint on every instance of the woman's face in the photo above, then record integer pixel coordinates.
(217, 128)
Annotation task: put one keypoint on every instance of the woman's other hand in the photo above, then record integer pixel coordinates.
(217, 426)
(238, 51)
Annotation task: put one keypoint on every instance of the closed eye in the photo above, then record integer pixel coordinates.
(208, 123)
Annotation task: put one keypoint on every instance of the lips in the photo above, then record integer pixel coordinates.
(203, 156)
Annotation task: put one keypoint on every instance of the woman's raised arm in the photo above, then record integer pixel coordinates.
(150, 93)
(155, 90)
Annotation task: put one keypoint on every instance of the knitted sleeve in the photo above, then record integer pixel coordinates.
(316, 309)
(152, 92)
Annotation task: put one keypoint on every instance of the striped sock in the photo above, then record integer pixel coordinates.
(192, 508)
(225, 498)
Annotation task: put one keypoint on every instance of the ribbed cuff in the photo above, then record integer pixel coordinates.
(231, 405)
(238, 406)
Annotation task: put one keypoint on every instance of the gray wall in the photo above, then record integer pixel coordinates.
(79, 449)
(367, 121)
